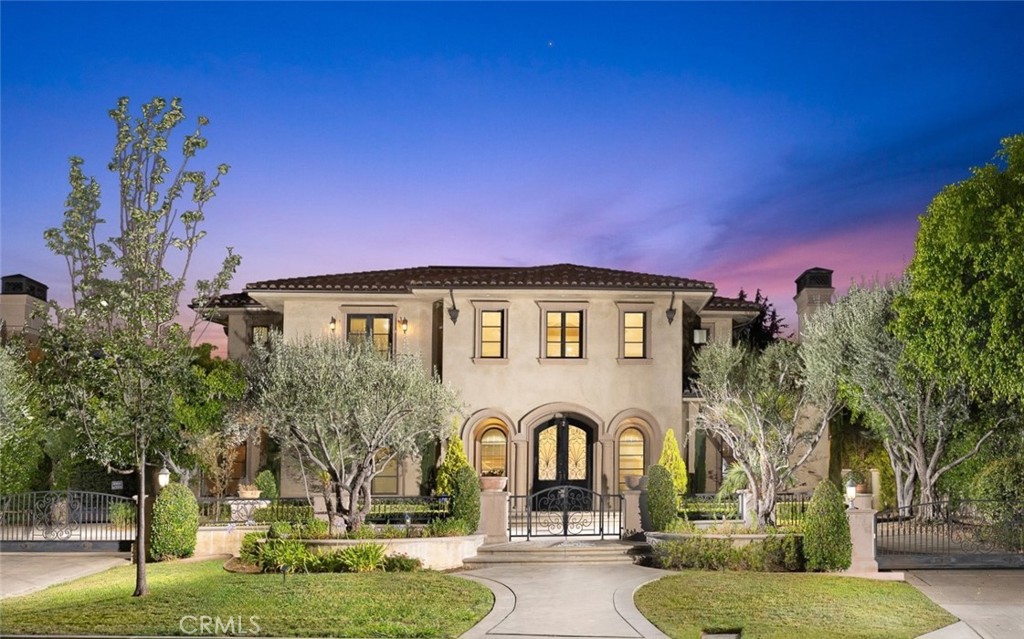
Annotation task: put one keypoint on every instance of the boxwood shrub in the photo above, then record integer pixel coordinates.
(175, 523)
(777, 553)
(466, 497)
(827, 543)
(661, 497)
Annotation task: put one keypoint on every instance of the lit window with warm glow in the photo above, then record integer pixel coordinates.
(564, 334)
(375, 328)
(492, 334)
(631, 455)
(634, 335)
(493, 451)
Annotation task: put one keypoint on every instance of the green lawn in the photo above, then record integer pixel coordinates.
(417, 604)
(787, 606)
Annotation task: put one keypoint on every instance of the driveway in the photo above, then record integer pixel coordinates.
(989, 603)
(25, 572)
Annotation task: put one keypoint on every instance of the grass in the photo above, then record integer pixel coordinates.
(417, 604)
(787, 606)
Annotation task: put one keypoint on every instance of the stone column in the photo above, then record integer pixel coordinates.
(748, 511)
(876, 489)
(632, 518)
(494, 516)
(862, 534)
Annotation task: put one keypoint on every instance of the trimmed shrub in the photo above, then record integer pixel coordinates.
(673, 461)
(280, 530)
(452, 527)
(175, 523)
(827, 542)
(267, 484)
(661, 497)
(250, 550)
(400, 562)
(454, 459)
(316, 529)
(466, 497)
(778, 553)
(362, 557)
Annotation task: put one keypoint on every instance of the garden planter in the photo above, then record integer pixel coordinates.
(493, 484)
(248, 494)
(636, 482)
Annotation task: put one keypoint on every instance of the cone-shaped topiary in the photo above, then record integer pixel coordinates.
(267, 484)
(827, 544)
(454, 459)
(673, 461)
(661, 497)
(175, 523)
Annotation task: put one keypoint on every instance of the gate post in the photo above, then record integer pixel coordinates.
(494, 516)
(632, 518)
(862, 534)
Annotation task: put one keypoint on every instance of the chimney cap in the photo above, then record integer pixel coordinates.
(816, 277)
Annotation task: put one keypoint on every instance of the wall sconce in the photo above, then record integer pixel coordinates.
(333, 324)
(163, 477)
(404, 323)
(700, 336)
(670, 314)
(453, 312)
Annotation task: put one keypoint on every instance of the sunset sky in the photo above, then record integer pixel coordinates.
(737, 143)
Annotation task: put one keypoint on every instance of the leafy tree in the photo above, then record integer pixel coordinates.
(20, 446)
(115, 360)
(764, 329)
(962, 318)
(771, 408)
(903, 405)
(347, 410)
(673, 461)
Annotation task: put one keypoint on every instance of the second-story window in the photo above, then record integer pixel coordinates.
(492, 334)
(373, 327)
(634, 335)
(564, 331)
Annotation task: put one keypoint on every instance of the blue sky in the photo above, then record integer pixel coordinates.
(734, 142)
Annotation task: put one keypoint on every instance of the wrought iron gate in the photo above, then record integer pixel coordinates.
(951, 534)
(66, 516)
(562, 511)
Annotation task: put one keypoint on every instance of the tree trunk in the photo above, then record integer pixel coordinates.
(141, 586)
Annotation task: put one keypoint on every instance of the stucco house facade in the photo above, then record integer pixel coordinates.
(568, 374)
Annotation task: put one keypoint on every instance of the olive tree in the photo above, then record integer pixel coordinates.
(347, 410)
(116, 357)
(914, 415)
(770, 407)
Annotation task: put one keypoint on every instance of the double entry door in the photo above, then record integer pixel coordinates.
(563, 455)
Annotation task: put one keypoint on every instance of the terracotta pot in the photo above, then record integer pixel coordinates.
(493, 484)
(249, 494)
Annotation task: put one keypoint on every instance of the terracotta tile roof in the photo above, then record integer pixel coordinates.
(234, 300)
(551, 276)
(717, 303)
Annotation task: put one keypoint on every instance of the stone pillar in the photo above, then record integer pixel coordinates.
(876, 489)
(862, 534)
(748, 512)
(494, 516)
(632, 518)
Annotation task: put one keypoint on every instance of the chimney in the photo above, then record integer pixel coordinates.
(813, 289)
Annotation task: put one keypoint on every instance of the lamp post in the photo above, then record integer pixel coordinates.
(851, 492)
(163, 477)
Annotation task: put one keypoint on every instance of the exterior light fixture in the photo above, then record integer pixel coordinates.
(851, 492)
(404, 323)
(700, 336)
(333, 324)
(670, 313)
(163, 477)
(453, 312)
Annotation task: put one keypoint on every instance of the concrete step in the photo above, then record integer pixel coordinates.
(556, 551)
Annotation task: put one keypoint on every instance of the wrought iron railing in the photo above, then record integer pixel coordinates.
(67, 515)
(564, 511)
(408, 510)
(791, 508)
(235, 511)
(945, 530)
(704, 506)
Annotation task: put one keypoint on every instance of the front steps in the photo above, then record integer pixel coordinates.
(557, 550)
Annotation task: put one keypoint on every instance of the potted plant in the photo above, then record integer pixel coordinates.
(248, 491)
(635, 482)
(859, 478)
(493, 480)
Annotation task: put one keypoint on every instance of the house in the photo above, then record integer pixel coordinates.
(569, 374)
(22, 308)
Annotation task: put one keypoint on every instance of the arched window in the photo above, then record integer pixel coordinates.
(493, 452)
(631, 454)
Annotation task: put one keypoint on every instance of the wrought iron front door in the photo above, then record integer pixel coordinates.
(563, 455)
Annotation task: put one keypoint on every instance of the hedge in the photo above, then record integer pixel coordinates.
(175, 523)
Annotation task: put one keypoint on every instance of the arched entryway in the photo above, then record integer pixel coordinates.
(563, 453)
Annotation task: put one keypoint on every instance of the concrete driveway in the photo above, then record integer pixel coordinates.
(25, 572)
(989, 603)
